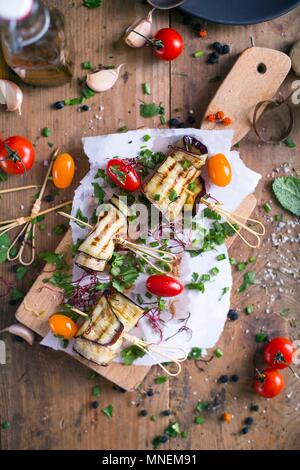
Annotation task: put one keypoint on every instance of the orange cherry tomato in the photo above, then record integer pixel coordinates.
(62, 326)
(63, 171)
(219, 170)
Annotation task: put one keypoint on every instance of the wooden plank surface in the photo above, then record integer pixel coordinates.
(44, 394)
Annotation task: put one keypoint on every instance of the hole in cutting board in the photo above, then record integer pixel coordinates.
(261, 68)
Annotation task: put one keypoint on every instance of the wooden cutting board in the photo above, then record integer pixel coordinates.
(40, 303)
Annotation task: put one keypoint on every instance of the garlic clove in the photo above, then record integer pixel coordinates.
(143, 26)
(11, 95)
(20, 330)
(104, 79)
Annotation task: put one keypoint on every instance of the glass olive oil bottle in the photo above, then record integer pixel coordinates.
(36, 43)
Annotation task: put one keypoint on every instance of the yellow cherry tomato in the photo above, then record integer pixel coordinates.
(62, 326)
(219, 170)
(63, 171)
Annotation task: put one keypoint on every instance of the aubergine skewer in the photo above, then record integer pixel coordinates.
(176, 181)
(114, 315)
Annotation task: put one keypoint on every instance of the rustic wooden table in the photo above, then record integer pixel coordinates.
(45, 395)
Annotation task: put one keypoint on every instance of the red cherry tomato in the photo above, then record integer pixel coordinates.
(164, 286)
(63, 171)
(171, 44)
(219, 170)
(123, 174)
(278, 353)
(62, 326)
(16, 155)
(269, 383)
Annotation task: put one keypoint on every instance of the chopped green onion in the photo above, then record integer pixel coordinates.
(249, 309)
(191, 186)
(198, 54)
(46, 132)
(252, 259)
(146, 137)
(241, 266)
(199, 420)
(108, 411)
(96, 392)
(261, 337)
(163, 120)
(172, 195)
(214, 271)
(278, 217)
(86, 65)
(156, 197)
(218, 352)
(183, 434)
(153, 418)
(195, 353)
(221, 257)
(267, 207)
(161, 379)
(232, 261)
(147, 88)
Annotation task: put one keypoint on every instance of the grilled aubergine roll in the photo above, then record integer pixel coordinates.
(99, 245)
(175, 181)
(113, 315)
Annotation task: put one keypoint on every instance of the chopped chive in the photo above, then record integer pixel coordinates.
(221, 257)
(249, 309)
(96, 392)
(199, 420)
(205, 277)
(278, 217)
(87, 92)
(156, 197)
(214, 271)
(198, 54)
(147, 88)
(241, 266)
(46, 132)
(146, 137)
(86, 65)
(252, 259)
(218, 352)
(161, 379)
(153, 418)
(163, 120)
(289, 142)
(267, 207)
(192, 186)
(261, 337)
(232, 261)
(183, 434)
(195, 353)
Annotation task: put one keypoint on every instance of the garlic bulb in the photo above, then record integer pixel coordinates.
(17, 329)
(143, 26)
(104, 79)
(11, 95)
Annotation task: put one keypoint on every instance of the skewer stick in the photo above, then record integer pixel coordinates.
(20, 188)
(76, 310)
(238, 219)
(75, 219)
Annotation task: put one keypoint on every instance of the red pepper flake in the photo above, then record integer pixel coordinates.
(202, 33)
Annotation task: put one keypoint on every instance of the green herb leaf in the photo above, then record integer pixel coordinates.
(147, 88)
(62, 280)
(201, 406)
(108, 411)
(60, 229)
(98, 193)
(131, 353)
(287, 191)
(4, 245)
(80, 216)
(5, 425)
(210, 214)
(96, 392)
(121, 176)
(16, 295)
(261, 337)
(86, 65)
(195, 353)
(289, 142)
(199, 420)
(249, 279)
(20, 272)
(173, 195)
(173, 430)
(148, 110)
(92, 3)
(46, 132)
(161, 379)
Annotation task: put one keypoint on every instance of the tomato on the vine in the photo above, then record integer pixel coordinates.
(16, 155)
(62, 326)
(168, 44)
(63, 171)
(123, 174)
(278, 353)
(163, 286)
(268, 383)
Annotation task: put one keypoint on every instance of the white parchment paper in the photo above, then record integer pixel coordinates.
(206, 312)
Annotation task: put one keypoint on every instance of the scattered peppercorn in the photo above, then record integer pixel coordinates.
(59, 105)
(49, 198)
(174, 122)
(213, 58)
(190, 120)
(234, 378)
(202, 33)
(217, 46)
(166, 413)
(150, 392)
(85, 107)
(223, 379)
(95, 404)
(249, 420)
(254, 408)
(245, 430)
(143, 413)
(232, 315)
(225, 49)
(164, 439)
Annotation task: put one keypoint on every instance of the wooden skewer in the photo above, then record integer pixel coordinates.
(76, 310)
(238, 219)
(75, 219)
(20, 188)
